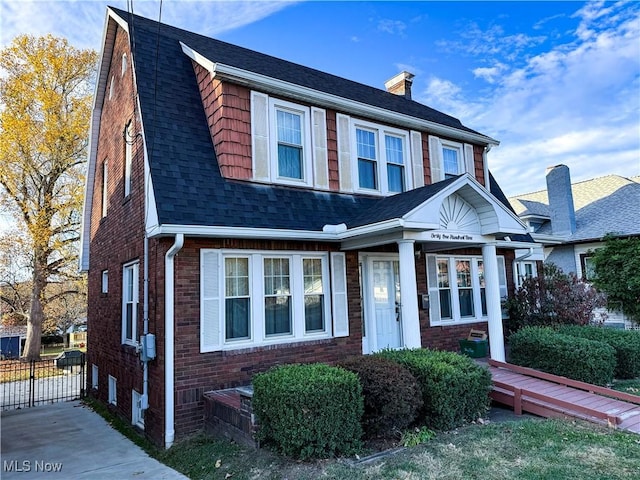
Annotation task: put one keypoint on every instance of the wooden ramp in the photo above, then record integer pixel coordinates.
(546, 395)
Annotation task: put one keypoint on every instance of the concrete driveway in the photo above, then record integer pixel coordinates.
(68, 440)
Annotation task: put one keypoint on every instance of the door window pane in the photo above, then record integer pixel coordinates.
(465, 287)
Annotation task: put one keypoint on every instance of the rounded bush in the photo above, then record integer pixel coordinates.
(307, 411)
(545, 349)
(626, 344)
(454, 388)
(392, 396)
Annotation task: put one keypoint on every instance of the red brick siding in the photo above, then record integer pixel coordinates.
(116, 239)
(196, 372)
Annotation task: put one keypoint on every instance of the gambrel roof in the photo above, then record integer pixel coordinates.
(187, 186)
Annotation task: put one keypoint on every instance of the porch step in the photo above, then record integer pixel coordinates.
(228, 414)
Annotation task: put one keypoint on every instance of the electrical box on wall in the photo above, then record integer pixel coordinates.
(423, 301)
(148, 343)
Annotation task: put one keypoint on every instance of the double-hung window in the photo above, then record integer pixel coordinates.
(381, 159)
(278, 314)
(290, 138)
(524, 270)
(129, 302)
(290, 148)
(452, 159)
(457, 288)
(237, 298)
(268, 297)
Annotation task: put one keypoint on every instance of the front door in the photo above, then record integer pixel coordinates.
(385, 295)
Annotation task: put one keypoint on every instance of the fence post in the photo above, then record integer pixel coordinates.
(32, 381)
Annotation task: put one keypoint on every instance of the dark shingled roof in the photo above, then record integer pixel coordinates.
(188, 186)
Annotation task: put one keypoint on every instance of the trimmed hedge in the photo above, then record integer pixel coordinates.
(626, 343)
(307, 411)
(578, 358)
(392, 396)
(454, 388)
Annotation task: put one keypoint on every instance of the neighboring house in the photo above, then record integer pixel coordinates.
(243, 211)
(571, 220)
(11, 341)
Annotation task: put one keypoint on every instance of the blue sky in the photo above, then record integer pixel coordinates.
(554, 82)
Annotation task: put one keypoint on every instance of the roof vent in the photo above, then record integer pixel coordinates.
(400, 84)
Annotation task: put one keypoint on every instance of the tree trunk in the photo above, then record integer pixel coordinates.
(36, 315)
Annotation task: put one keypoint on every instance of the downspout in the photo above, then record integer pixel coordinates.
(145, 328)
(169, 433)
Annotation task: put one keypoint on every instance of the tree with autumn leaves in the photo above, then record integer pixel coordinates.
(45, 110)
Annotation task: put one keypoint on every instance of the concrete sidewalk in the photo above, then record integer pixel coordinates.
(68, 440)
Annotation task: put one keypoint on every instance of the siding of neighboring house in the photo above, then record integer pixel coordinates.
(563, 257)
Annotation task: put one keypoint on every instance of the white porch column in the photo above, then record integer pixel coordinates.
(409, 295)
(494, 311)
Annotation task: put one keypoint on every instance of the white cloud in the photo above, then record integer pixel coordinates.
(394, 27)
(82, 21)
(576, 104)
(489, 74)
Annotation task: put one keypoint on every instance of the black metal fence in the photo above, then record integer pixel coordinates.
(28, 384)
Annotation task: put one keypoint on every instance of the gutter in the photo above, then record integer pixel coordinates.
(169, 353)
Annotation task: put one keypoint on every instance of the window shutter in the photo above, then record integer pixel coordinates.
(260, 135)
(468, 160)
(339, 295)
(344, 152)
(434, 293)
(210, 331)
(416, 156)
(435, 159)
(502, 277)
(320, 155)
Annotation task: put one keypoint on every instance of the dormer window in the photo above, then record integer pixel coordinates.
(381, 159)
(290, 146)
(451, 159)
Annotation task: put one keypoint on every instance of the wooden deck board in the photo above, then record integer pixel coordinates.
(548, 398)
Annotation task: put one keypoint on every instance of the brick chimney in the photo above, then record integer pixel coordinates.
(563, 215)
(400, 84)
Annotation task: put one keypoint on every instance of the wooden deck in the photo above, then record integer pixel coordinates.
(546, 395)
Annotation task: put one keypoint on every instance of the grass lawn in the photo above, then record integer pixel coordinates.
(628, 386)
(531, 449)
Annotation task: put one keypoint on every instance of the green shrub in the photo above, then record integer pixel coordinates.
(578, 358)
(454, 388)
(309, 410)
(392, 396)
(626, 343)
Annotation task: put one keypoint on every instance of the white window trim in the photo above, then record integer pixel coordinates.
(307, 152)
(94, 376)
(123, 67)
(453, 146)
(105, 282)
(257, 335)
(455, 305)
(134, 327)
(381, 157)
(113, 390)
(517, 271)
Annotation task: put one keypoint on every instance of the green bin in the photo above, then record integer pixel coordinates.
(476, 348)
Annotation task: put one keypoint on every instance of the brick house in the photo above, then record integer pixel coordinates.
(243, 211)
